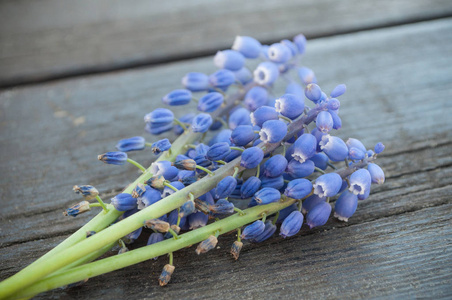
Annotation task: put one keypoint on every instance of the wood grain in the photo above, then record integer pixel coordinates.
(50, 38)
(397, 244)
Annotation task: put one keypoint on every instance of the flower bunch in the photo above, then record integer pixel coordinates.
(244, 160)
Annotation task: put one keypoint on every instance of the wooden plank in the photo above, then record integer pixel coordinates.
(415, 131)
(50, 38)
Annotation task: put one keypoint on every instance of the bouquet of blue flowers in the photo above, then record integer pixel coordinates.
(245, 161)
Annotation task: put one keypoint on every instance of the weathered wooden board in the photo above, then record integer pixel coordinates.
(52, 38)
(395, 246)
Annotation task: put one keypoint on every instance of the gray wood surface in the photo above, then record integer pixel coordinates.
(397, 245)
(47, 39)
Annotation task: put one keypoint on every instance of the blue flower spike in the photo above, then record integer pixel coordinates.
(77, 209)
(196, 81)
(290, 106)
(251, 157)
(273, 131)
(88, 191)
(291, 224)
(131, 144)
(201, 122)
(248, 46)
(178, 97)
(229, 59)
(328, 185)
(266, 73)
(345, 206)
(318, 215)
(113, 158)
(210, 102)
(160, 146)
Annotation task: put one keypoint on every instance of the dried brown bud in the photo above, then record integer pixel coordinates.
(207, 245)
(156, 182)
(165, 277)
(185, 164)
(157, 225)
(235, 249)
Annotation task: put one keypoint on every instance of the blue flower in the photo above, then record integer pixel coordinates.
(187, 119)
(187, 209)
(279, 53)
(225, 187)
(177, 97)
(162, 116)
(304, 147)
(195, 81)
(197, 220)
(165, 277)
(355, 143)
(155, 238)
(242, 135)
(338, 90)
(283, 213)
(240, 116)
(88, 191)
(333, 104)
(267, 195)
(334, 147)
(266, 73)
(324, 121)
(123, 202)
(273, 131)
(233, 155)
(251, 157)
(222, 78)
(266, 234)
(379, 147)
(138, 190)
(298, 188)
(169, 191)
(337, 122)
(327, 185)
(275, 166)
(291, 225)
(235, 249)
(360, 182)
(248, 46)
(291, 45)
(376, 173)
(253, 230)
(149, 197)
(306, 75)
(345, 206)
(210, 102)
(255, 98)
(243, 76)
(310, 202)
(218, 151)
(157, 128)
(229, 59)
(290, 106)
(222, 207)
(201, 122)
(165, 169)
(113, 158)
(131, 144)
(294, 89)
(318, 215)
(250, 187)
(160, 146)
(300, 41)
(356, 154)
(223, 136)
(313, 92)
(320, 160)
(262, 114)
(273, 182)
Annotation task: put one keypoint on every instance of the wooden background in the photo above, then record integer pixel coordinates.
(77, 76)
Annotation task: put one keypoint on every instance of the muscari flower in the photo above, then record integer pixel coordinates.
(223, 136)
(169, 191)
(138, 190)
(195, 81)
(131, 144)
(337, 122)
(345, 206)
(291, 225)
(88, 191)
(251, 157)
(149, 197)
(290, 106)
(338, 90)
(253, 230)
(334, 147)
(272, 182)
(304, 147)
(310, 202)
(242, 135)
(360, 182)
(229, 59)
(123, 202)
(157, 225)
(306, 75)
(187, 209)
(177, 97)
(77, 209)
(210, 102)
(160, 146)
(187, 119)
(379, 147)
(376, 173)
(275, 166)
(250, 187)
(356, 154)
(351, 142)
(159, 116)
(263, 114)
(222, 78)
(294, 89)
(157, 128)
(318, 215)
(235, 249)
(267, 195)
(300, 41)
(256, 97)
(313, 92)
(298, 188)
(164, 168)
(113, 158)
(248, 46)
(283, 213)
(225, 187)
(218, 151)
(201, 122)
(327, 185)
(244, 76)
(222, 207)
(279, 53)
(266, 73)
(269, 230)
(165, 277)
(320, 161)
(333, 104)
(197, 220)
(273, 131)
(291, 45)
(324, 121)
(240, 116)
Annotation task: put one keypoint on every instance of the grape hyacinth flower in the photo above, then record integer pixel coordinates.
(162, 116)
(196, 81)
(327, 185)
(113, 158)
(222, 78)
(267, 195)
(291, 225)
(240, 116)
(266, 73)
(177, 97)
(251, 157)
(318, 215)
(225, 187)
(269, 230)
(210, 102)
(313, 92)
(324, 121)
(253, 230)
(77, 209)
(376, 173)
(88, 191)
(304, 147)
(160, 146)
(218, 151)
(279, 53)
(334, 147)
(338, 91)
(379, 147)
(248, 46)
(242, 135)
(201, 122)
(274, 166)
(263, 114)
(250, 187)
(360, 182)
(255, 98)
(273, 131)
(290, 106)
(310, 202)
(345, 206)
(306, 75)
(229, 59)
(123, 202)
(298, 188)
(131, 144)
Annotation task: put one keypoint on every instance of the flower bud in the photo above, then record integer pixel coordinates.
(333, 104)
(196, 81)
(299, 170)
(267, 195)
(290, 106)
(262, 114)
(379, 147)
(156, 181)
(207, 245)
(275, 166)
(255, 98)
(187, 209)
(88, 191)
(222, 78)
(291, 225)
(251, 157)
(306, 75)
(298, 188)
(77, 209)
(285, 212)
(253, 230)
(131, 144)
(160, 146)
(345, 206)
(197, 220)
(248, 46)
(334, 147)
(266, 73)
(310, 202)
(273, 131)
(376, 173)
(355, 143)
(157, 128)
(242, 135)
(240, 116)
(210, 102)
(218, 151)
(113, 158)
(138, 190)
(185, 164)
(360, 181)
(273, 182)
(327, 185)
(318, 215)
(165, 277)
(266, 234)
(300, 41)
(177, 97)
(243, 76)
(338, 91)
(337, 122)
(123, 202)
(324, 121)
(320, 160)
(250, 187)
(356, 154)
(159, 116)
(235, 249)
(279, 53)
(229, 59)
(157, 225)
(304, 147)
(149, 197)
(225, 187)
(222, 207)
(313, 92)
(201, 122)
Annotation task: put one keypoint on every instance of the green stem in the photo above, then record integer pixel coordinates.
(236, 171)
(148, 144)
(181, 124)
(237, 148)
(221, 162)
(239, 233)
(170, 258)
(285, 118)
(258, 170)
(241, 212)
(276, 218)
(166, 183)
(174, 234)
(101, 203)
(204, 169)
(136, 164)
(319, 170)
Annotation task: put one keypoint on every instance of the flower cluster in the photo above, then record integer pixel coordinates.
(243, 148)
